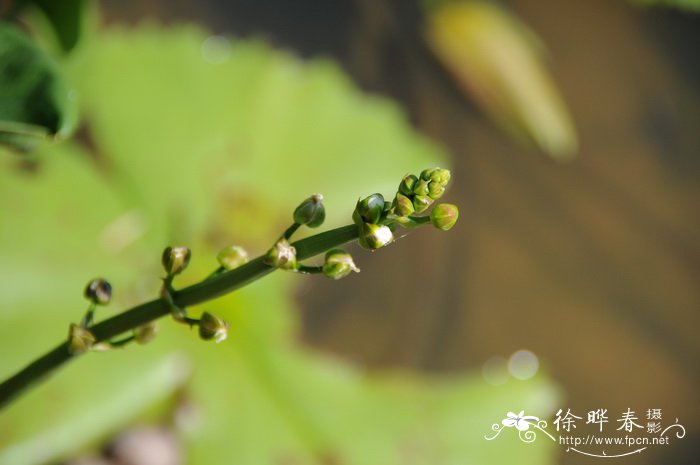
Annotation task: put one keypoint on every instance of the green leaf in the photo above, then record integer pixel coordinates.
(257, 132)
(35, 103)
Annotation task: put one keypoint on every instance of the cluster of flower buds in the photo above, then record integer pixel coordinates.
(374, 217)
(368, 216)
(417, 193)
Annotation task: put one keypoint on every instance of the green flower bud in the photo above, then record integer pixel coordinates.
(427, 173)
(374, 236)
(232, 257)
(440, 175)
(435, 190)
(387, 209)
(318, 219)
(421, 187)
(175, 259)
(282, 255)
(311, 211)
(213, 327)
(407, 183)
(403, 206)
(98, 291)
(444, 216)
(79, 339)
(371, 208)
(421, 203)
(144, 334)
(338, 264)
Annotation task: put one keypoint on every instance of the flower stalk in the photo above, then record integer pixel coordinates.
(374, 220)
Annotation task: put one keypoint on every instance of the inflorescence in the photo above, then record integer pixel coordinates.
(376, 221)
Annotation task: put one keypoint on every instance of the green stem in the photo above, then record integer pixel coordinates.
(217, 271)
(190, 321)
(122, 342)
(203, 291)
(290, 231)
(305, 269)
(89, 315)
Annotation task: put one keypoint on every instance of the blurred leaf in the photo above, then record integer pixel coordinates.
(207, 153)
(254, 130)
(690, 5)
(85, 422)
(65, 19)
(498, 62)
(289, 404)
(34, 101)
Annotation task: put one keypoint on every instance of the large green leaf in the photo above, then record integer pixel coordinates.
(35, 103)
(206, 153)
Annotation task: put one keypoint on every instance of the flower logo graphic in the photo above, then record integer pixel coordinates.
(520, 421)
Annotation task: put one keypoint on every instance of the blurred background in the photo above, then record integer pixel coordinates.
(570, 281)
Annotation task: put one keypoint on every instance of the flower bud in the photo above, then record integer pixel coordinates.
(282, 255)
(440, 175)
(98, 291)
(387, 209)
(371, 208)
(421, 187)
(444, 216)
(79, 339)
(311, 211)
(232, 257)
(339, 264)
(403, 206)
(426, 173)
(374, 236)
(144, 334)
(407, 183)
(435, 190)
(421, 203)
(175, 259)
(213, 327)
